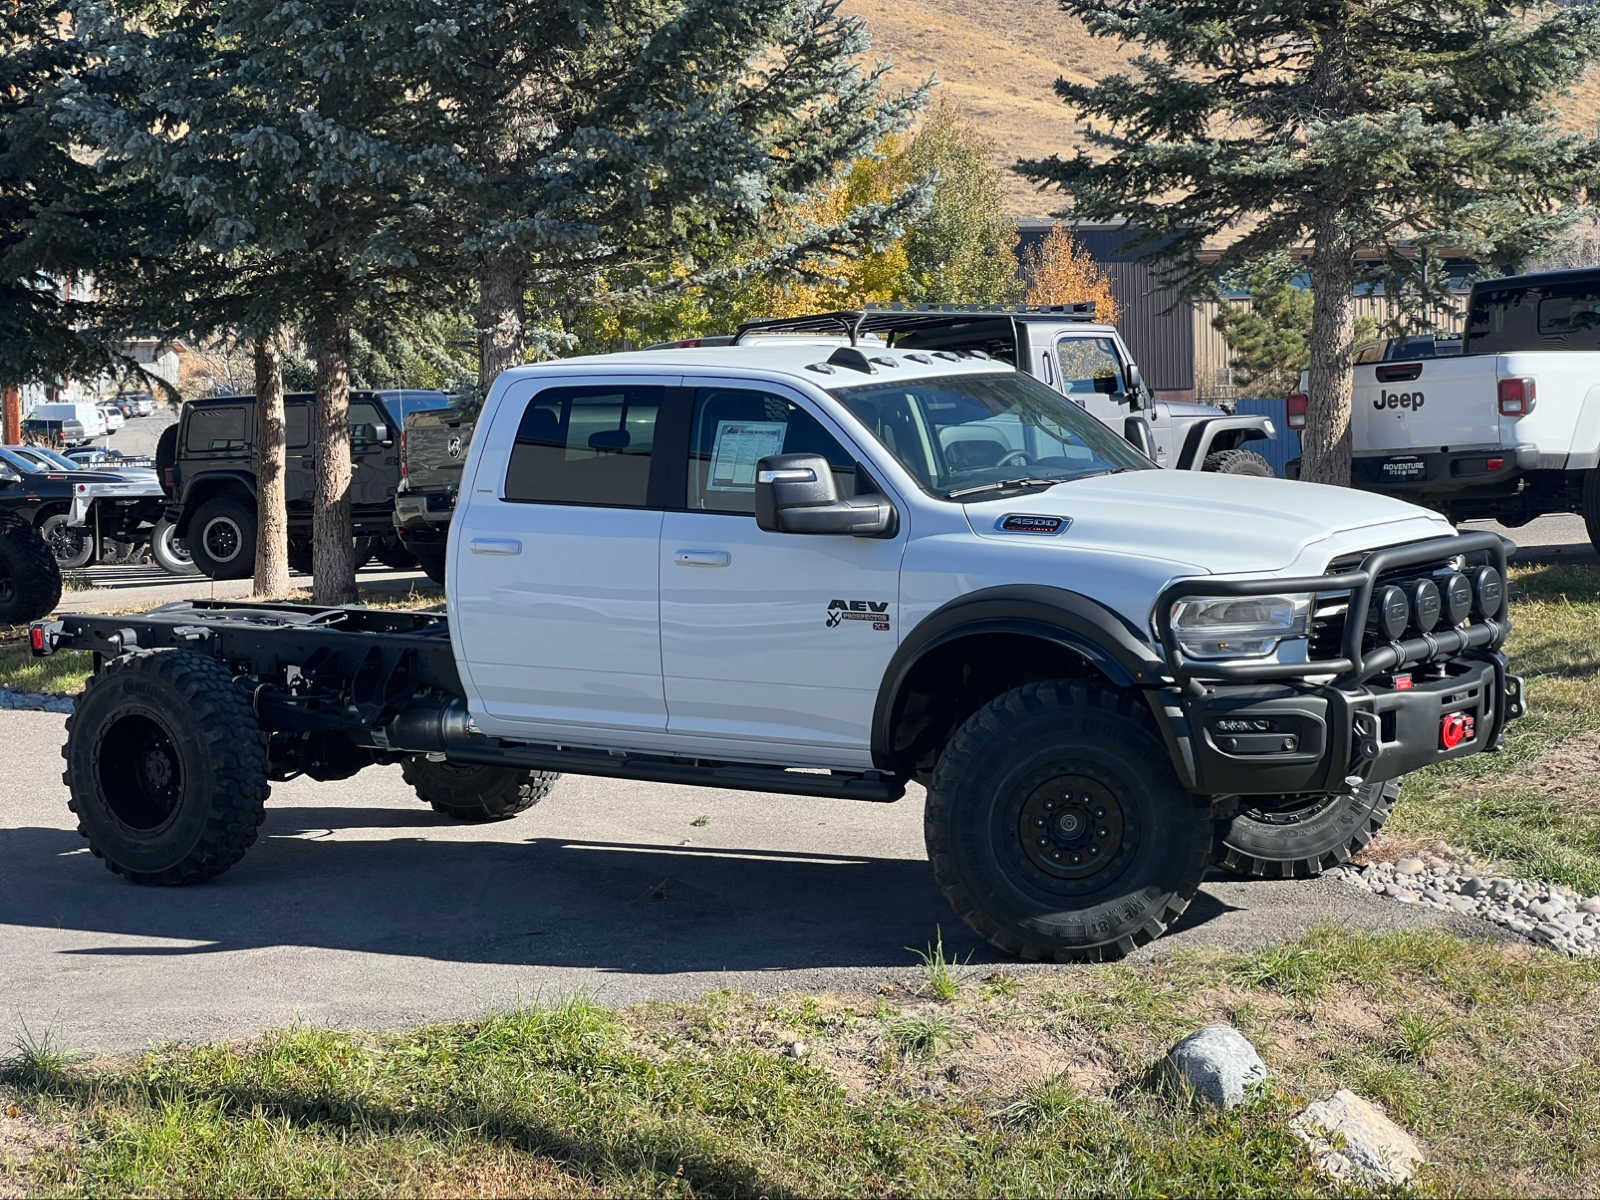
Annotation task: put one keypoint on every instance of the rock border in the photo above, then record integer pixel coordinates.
(34, 702)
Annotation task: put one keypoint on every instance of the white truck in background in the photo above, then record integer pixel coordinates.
(1509, 429)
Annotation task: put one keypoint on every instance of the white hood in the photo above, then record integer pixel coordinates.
(1215, 524)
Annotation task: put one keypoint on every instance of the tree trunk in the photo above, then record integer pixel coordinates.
(332, 550)
(501, 321)
(12, 402)
(1325, 441)
(272, 518)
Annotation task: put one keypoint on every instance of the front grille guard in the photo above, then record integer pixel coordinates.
(1353, 664)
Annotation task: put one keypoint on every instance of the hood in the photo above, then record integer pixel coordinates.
(1215, 524)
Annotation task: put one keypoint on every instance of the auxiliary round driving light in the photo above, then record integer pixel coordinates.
(1391, 611)
(1426, 605)
(1457, 592)
(1488, 592)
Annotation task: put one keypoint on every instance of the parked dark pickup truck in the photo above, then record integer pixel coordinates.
(432, 451)
(206, 463)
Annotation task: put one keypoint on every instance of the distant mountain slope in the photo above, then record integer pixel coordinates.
(999, 60)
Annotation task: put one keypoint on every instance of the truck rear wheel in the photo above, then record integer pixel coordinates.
(1591, 506)
(1057, 829)
(391, 552)
(1297, 837)
(1238, 462)
(167, 766)
(474, 793)
(30, 577)
(222, 538)
(432, 563)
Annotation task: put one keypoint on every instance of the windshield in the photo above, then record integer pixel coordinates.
(46, 457)
(972, 433)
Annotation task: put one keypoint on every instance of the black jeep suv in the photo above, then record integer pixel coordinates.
(206, 463)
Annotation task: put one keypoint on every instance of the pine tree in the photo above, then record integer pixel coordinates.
(1401, 127)
(652, 143)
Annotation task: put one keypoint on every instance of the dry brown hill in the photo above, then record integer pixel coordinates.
(999, 59)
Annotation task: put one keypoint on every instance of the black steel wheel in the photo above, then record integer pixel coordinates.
(1057, 828)
(476, 793)
(167, 767)
(1289, 837)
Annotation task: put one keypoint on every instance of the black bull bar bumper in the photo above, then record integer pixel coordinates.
(1369, 711)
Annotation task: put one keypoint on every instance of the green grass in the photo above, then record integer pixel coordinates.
(941, 975)
(1485, 1052)
(1528, 808)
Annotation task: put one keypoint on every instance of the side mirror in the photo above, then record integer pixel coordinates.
(795, 493)
(380, 434)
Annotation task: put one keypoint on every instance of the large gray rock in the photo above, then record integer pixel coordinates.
(1353, 1140)
(1217, 1064)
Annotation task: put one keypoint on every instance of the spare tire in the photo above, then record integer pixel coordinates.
(30, 577)
(1289, 837)
(476, 793)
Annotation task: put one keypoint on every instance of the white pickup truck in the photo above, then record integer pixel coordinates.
(1510, 428)
(829, 571)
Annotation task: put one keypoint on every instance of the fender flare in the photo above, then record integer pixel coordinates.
(1203, 435)
(197, 491)
(1098, 635)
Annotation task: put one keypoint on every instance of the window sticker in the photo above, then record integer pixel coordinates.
(739, 446)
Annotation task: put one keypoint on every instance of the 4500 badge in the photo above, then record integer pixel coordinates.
(876, 611)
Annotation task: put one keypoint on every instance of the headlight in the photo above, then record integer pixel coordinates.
(1238, 626)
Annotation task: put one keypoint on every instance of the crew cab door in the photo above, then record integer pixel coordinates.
(374, 457)
(552, 572)
(769, 637)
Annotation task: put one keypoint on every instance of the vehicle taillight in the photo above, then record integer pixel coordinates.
(1296, 415)
(1517, 397)
(405, 467)
(36, 639)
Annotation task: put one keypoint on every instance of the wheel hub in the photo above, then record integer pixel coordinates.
(140, 772)
(222, 540)
(1071, 827)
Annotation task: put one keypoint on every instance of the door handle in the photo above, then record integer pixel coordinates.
(496, 546)
(702, 558)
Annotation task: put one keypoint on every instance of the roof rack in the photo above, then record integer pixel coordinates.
(896, 318)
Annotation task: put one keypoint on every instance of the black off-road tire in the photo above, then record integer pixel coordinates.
(474, 793)
(30, 577)
(1032, 883)
(392, 553)
(432, 564)
(167, 767)
(1238, 462)
(230, 526)
(300, 555)
(1300, 837)
(1591, 506)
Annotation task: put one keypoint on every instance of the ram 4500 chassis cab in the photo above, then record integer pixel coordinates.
(814, 570)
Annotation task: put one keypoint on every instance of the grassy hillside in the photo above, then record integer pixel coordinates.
(998, 60)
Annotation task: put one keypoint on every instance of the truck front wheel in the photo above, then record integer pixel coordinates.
(167, 767)
(474, 793)
(1289, 837)
(1057, 829)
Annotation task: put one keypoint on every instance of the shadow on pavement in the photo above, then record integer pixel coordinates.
(613, 906)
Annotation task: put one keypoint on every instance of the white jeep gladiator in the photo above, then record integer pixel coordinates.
(1509, 429)
(832, 571)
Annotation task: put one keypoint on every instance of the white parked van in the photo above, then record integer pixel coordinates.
(87, 415)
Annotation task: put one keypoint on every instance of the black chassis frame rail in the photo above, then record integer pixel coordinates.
(382, 662)
(1353, 666)
(384, 657)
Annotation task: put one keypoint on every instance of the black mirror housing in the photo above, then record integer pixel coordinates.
(795, 493)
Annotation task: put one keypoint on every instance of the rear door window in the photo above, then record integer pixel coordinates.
(589, 446)
(218, 429)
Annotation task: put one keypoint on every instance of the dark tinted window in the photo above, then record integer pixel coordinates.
(220, 427)
(1561, 315)
(297, 426)
(736, 427)
(586, 446)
